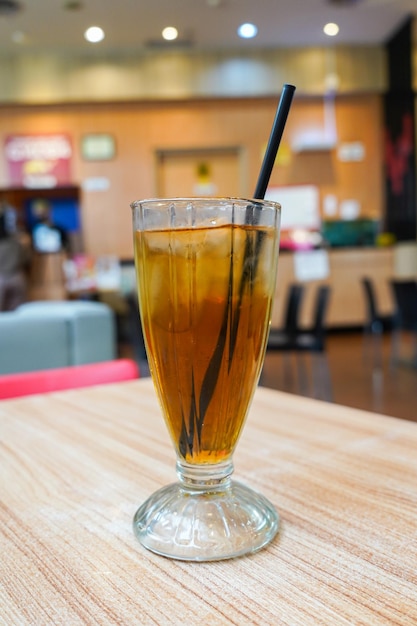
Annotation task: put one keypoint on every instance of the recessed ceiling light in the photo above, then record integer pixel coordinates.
(94, 34)
(19, 37)
(247, 31)
(331, 29)
(170, 33)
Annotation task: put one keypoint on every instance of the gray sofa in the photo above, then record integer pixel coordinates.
(49, 334)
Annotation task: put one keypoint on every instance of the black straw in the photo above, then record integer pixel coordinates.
(274, 141)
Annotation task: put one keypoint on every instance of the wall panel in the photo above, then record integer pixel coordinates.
(141, 129)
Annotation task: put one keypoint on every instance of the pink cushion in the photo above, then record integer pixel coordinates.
(43, 381)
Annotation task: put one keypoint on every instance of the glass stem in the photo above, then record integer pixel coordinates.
(205, 477)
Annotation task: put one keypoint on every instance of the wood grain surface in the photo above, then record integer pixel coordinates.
(76, 465)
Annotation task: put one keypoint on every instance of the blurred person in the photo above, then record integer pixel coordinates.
(13, 262)
(47, 237)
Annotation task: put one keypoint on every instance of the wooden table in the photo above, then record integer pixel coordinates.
(75, 466)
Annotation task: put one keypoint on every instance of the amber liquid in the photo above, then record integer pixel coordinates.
(205, 297)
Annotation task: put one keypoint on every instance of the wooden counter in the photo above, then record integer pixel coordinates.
(75, 466)
(347, 268)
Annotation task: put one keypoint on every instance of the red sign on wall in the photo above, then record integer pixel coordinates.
(39, 161)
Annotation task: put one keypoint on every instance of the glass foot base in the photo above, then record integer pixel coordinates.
(210, 525)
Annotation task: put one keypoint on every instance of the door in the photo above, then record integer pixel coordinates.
(200, 172)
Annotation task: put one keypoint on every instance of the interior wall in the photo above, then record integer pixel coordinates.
(54, 78)
(142, 129)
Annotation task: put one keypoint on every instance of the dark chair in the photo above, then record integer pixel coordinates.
(284, 338)
(374, 323)
(313, 338)
(405, 319)
(313, 341)
(299, 341)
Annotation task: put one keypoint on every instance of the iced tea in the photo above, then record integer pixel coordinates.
(205, 296)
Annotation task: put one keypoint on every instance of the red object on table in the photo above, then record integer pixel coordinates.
(72, 377)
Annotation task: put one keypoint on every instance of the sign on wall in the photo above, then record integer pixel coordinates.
(38, 161)
(300, 206)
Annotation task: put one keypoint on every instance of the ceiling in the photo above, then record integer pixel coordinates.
(135, 25)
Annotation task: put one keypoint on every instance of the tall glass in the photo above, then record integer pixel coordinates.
(206, 273)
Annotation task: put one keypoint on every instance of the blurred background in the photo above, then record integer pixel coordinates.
(103, 103)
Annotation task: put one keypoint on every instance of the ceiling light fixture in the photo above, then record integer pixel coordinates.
(247, 31)
(331, 29)
(19, 37)
(94, 34)
(170, 33)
